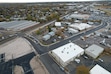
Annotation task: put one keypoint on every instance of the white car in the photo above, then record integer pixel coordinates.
(100, 59)
(77, 60)
(85, 57)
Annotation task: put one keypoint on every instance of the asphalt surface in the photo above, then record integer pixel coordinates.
(6, 67)
(51, 65)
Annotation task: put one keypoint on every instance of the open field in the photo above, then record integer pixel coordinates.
(105, 9)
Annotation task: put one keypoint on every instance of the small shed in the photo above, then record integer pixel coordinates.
(94, 51)
(57, 24)
(51, 33)
(46, 37)
(72, 31)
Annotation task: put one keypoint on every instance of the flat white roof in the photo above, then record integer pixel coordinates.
(57, 23)
(95, 49)
(80, 26)
(68, 51)
(73, 30)
(99, 70)
(81, 16)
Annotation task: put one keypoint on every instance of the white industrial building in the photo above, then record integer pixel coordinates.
(66, 53)
(94, 51)
(97, 69)
(72, 31)
(79, 16)
(80, 26)
(58, 24)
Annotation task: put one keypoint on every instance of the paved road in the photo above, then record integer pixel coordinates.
(40, 49)
(44, 49)
(50, 64)
(77, 36)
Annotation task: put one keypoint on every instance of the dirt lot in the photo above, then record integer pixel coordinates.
(15, 48)
(37, 66)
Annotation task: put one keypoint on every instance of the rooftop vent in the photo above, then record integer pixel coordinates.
(70, 45)
(62, 51)
(92, 50)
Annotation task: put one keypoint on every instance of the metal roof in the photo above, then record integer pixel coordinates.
(68, 51)
(18, 25)
(94, 49)
(99, 70)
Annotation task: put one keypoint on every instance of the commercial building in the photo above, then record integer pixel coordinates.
(79, 16)
(94, 51)
(65, 54)
(80, 26)
(97, 69)
(18, 25)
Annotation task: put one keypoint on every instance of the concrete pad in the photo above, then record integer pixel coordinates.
(15, 48)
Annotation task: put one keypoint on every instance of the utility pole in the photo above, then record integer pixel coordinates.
(12, 65)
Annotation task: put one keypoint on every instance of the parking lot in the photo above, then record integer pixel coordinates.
(90, 62)
(6, 67)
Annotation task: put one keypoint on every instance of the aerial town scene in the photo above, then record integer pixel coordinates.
(55, 38)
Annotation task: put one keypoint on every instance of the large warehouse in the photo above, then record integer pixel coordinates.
(79, 16)
(97, 69)
(18, 25)
(80, 26)
(94, 51)
(66, 53)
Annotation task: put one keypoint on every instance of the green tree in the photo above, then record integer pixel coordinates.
(49, 29)
(38, 32)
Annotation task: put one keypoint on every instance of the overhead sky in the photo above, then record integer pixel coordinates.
(27, 1)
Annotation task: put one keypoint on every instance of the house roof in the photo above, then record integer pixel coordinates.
(46, 37)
